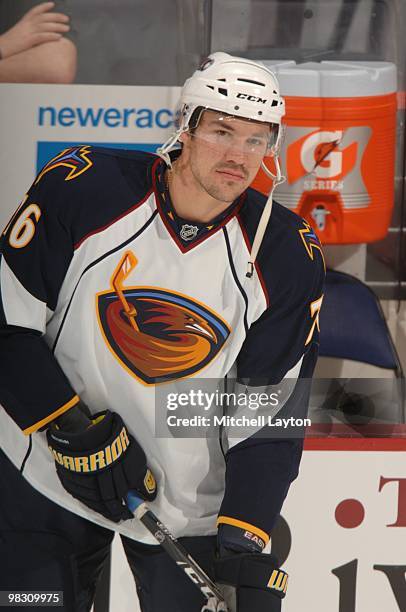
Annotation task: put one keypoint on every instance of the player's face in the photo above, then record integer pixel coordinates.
(224, 153)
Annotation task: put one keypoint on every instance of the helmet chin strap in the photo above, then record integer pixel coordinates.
(266, 213)
(168, 146)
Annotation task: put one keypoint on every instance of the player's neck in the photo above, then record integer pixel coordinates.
(190, 201)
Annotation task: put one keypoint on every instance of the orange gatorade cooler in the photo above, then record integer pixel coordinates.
(338, 154)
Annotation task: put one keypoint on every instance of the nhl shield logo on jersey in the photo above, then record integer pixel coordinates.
(74, 158)
(156, 334)
(188, 232)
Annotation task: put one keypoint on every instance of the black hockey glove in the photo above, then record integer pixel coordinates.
(249, 580)
(99, 465)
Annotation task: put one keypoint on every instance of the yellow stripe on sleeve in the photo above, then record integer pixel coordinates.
(52, 417)
(227, 520)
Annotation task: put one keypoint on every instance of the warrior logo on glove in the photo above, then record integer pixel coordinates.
(101, 464)
(94, 461)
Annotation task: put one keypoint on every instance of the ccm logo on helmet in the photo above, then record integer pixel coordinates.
(244, 96)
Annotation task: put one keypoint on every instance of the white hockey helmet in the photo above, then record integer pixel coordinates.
(234, 86)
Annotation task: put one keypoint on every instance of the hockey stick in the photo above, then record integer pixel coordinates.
(215, 601)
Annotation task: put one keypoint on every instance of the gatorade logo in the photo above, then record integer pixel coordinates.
(323, 158)
(322, 155)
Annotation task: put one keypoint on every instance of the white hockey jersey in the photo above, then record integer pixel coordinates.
(108, 296)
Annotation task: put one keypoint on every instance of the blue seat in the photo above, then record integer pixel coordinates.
(353, 325)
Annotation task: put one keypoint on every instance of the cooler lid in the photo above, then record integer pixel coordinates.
(334, 79)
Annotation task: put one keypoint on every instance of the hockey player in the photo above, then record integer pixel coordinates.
(123, 272)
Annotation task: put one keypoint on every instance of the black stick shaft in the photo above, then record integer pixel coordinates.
(180, 555)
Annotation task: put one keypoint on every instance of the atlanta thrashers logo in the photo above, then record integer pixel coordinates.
(156, 334)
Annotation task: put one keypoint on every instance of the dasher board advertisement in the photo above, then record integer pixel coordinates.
(38, 121)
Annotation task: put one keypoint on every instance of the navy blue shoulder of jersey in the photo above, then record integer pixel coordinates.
(290, 255)
(78, 193)
(94, 186)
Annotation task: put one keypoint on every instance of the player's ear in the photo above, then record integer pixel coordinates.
(186, 140)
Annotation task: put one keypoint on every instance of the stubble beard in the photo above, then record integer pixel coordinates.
(216, 191)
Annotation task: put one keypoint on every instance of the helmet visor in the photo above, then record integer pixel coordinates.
(236, 137)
